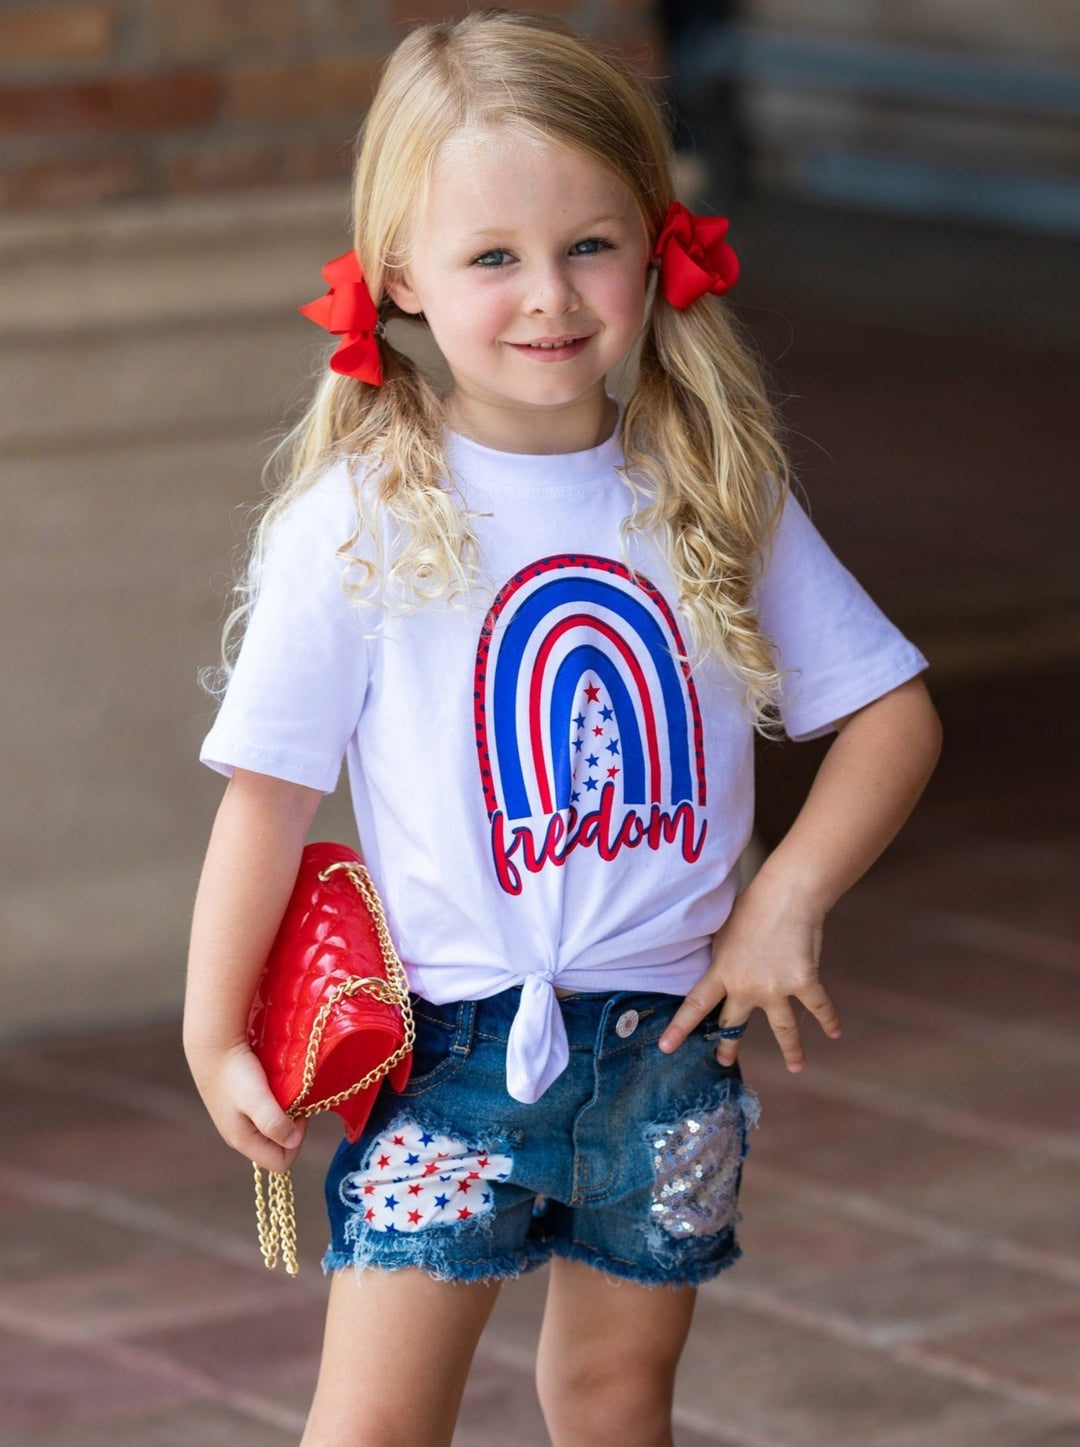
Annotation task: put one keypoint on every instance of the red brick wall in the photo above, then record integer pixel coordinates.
(102, 102)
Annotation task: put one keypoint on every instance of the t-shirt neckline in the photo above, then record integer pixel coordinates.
(535, 471)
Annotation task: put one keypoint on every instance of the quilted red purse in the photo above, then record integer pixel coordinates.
(331, 1016)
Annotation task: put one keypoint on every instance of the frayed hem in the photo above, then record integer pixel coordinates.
(503, 1268)
(751, 1107)
(498, 1139)
(695, 1275)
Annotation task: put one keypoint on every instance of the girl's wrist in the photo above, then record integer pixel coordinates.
(795, 890)
(208, 1045)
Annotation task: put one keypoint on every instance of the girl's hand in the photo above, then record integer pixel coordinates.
(233, 1086)
(766, 951)
(248, 875)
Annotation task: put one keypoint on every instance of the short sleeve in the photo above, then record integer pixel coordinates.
(295, 694)
(841, 650)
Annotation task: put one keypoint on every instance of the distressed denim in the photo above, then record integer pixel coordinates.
(631, 1160)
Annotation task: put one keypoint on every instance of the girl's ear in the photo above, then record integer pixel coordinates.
(402, 295)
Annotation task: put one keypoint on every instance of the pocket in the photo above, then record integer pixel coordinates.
(442, 1045)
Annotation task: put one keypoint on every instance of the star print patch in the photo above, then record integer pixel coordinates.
(414, 1178)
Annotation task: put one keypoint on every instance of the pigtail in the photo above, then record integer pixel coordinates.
(701, 431)
(412, 541)
(414, 524)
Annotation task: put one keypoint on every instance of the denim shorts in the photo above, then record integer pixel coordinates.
(630, 1161)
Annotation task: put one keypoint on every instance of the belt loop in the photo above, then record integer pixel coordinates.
(602, 1025)
(466, 1021)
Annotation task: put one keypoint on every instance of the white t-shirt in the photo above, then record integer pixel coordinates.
(543, 792)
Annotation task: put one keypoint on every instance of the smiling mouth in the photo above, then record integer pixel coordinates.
(552, 346)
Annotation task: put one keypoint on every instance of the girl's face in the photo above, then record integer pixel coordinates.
(526, 243)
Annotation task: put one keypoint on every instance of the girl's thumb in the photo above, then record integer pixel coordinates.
(284, 1131)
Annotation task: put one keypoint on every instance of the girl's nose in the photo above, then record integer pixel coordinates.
(551, 291)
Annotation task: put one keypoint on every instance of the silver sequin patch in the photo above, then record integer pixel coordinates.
(697, 1163)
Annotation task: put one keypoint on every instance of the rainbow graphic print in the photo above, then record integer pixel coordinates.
(588, 729)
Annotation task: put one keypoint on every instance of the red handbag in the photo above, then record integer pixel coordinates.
(331, 1016)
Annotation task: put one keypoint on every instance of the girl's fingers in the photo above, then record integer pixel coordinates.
(782, 1020)
(822, 1008)
(269, 1156)
(707, 994)
(279, 1128)
(701, 999)
(265, 1151)
(727, 1050)
(256, 1101)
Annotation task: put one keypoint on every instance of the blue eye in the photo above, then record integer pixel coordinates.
(595, 243)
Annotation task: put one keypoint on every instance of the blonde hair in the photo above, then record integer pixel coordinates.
(698, 430)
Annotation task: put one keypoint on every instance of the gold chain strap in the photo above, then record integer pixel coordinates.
(275, 1212)
(276, 1216)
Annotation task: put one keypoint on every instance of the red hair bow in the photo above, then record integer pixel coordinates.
(694, 257)
(348, 311)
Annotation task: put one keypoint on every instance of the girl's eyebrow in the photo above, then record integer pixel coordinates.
(509, 230)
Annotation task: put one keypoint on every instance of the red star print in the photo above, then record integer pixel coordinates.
(431, 1169)
(384, 1161)
(592, 693)
(598, 731)
(369, 1214)
(611, 773)
(464, 1214)
(473, 1176)
(481, 1161)
(414, 1216)
(463, 1185)
(369, 1190)
(415, 1190)
(399, 1140)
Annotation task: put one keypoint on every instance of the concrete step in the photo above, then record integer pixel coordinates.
(174, 260)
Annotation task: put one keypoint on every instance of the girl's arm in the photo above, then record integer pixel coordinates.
(248, 875)
(768, 948)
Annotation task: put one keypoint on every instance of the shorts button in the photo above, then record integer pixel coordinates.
(626, 1024)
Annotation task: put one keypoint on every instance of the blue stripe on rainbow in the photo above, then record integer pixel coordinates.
(581, 660)
(532, 753)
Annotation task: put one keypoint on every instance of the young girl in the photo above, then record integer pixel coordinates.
(542, 627)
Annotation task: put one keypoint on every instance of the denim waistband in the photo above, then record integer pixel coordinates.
(600, 1023)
